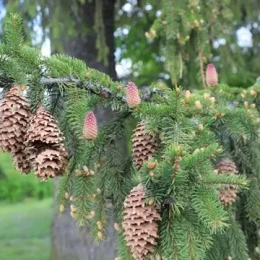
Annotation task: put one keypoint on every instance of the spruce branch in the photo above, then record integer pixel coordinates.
(94, 88)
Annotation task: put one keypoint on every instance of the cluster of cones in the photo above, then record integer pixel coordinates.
(139, 224)
(35, 141)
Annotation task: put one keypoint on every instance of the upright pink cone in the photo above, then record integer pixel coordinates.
(90, 128)
(211, 75)
(132, 95)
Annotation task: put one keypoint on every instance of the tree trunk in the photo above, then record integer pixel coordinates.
(70, 242)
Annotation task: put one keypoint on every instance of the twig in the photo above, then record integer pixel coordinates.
(95, 88)
(202, 70)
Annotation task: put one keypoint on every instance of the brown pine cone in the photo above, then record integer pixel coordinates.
(228, 193)
(45, 144)
(14, 118)
(143, 145)
(140, 224)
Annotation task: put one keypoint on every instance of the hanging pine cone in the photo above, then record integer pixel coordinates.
(139, 224)
(228, 193)
(14, 117)
(143, 145)
(45, 144)
(50, 162)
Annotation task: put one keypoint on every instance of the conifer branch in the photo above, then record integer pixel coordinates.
(94, 88)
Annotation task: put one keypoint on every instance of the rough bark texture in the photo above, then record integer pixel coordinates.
(70, 242)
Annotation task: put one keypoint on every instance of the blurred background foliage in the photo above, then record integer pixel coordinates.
(15, 188)
(234, 41)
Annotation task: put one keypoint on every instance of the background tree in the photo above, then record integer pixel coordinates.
(72, 242)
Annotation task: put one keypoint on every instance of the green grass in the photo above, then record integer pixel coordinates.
(15, 187)
(25, 230)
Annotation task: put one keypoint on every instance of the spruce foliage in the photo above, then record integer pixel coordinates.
(195, 130)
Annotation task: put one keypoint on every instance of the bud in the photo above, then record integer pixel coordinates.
(98, 191)
(99, 225)
(212, 99)
(62, 208)
(253, 92)
(67, 196)
(90, 128)
(92, 213)
(151, 174)
(119, 87)
(177, 166)
(77, 172)
(85, 169)
(246, 104)
(244, 137)
(151, 201)
(147, 35)
(151, 165)
(100, 235)
(117, 227)
(132, 95)
(257, 250)
(91, 172)
(73, 208)
(211, 75)
(157, 257)
(73, 214)
(201, 127)
(252, 105)
(187, 94)
(206, 95)
(153, 33)
(198, 104)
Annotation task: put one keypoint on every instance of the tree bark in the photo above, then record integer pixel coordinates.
(70, 242)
